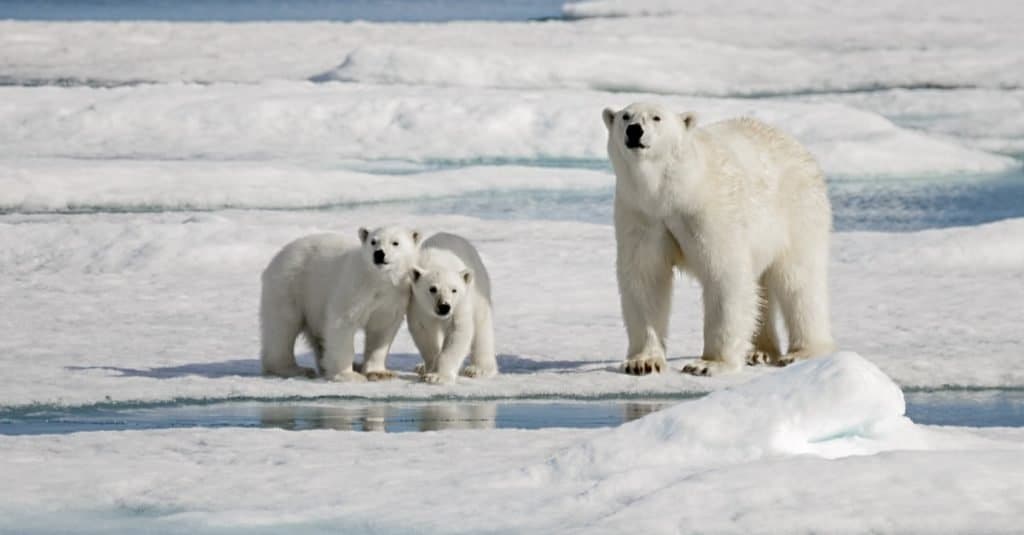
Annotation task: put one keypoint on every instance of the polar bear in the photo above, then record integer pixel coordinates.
(328, 287)
(450, 311)
(740, 206)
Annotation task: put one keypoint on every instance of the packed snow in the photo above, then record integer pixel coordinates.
(808, 448)
(317, 123)
(157, 307)
(149, 171)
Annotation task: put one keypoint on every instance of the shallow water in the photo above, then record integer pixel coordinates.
(987, 408)
(857, 204)
(293, 10)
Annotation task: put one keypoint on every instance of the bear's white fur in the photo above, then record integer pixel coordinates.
(450, 311)
(328, 287)
(739, 205)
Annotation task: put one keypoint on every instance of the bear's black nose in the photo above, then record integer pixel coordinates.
(378, 257)
(633, 134)
(443, 309)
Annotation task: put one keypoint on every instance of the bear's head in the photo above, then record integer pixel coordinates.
(390, 251)
(645, 130)
(439, 282)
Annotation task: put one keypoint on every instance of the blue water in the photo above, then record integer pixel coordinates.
(867, 204)
(291, 10)
(988, 408)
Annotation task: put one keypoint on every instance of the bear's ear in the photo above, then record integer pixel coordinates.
(363, 234)
(609, 117)
(416, 237)
(417, 273)
(689, 119)
(467, 276)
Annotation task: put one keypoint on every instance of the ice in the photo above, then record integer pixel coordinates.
(334, 124)
(824, 406)
(820, 446)
(148, 172)
(44, 185)
(162, 306)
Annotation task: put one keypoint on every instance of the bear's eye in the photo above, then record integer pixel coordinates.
(394, 243)
(433, 289)
(454, 290)
(626, 117)
(373, 243)
(657, 118)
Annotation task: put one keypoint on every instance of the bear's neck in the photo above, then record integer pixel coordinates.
(667, 184)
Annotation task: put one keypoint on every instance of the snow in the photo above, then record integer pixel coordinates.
(149, 171)
(44, 185)
(96, 312)
(334, 124)
(765, 456)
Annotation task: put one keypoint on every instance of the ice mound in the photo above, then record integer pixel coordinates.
(826, 406)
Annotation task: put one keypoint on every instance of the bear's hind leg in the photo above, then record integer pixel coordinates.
(279, 326)
(316, 345)
(482, 361)
(803, 296)
(767, 349)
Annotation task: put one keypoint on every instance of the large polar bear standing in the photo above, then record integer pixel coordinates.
(450, 312)
(740, 206)
(329, 287)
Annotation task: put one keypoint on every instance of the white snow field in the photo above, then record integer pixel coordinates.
(149, 171)
(820, 446)
(158, 307)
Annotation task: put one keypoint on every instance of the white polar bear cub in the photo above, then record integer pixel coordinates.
(740, 206)
(329, 287)
(450, 312)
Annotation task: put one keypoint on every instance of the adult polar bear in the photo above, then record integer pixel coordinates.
(740, 206)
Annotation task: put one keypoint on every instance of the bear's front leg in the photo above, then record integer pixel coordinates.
(428, 336)
(376, 348)
(456, 346)
(646, 254)
(730, 318)
(339, 353)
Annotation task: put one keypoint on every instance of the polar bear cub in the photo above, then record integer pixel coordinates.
(450, 311)
(328, 287)
(739, 205)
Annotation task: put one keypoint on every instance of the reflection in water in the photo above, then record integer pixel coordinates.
(380, 417)
(633, 410)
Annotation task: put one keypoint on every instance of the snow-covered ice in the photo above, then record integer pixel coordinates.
(316, 123)
(95, 307)
(148, 172)
(820, 446)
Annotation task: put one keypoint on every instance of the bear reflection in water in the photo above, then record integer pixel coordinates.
(381, 417)
(448, 416)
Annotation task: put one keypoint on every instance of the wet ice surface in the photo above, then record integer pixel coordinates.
(857, 204)
(983, 408)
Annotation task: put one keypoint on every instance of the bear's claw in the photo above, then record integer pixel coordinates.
(644, 366)
(380, 375)
(758, 357)
(436, 379)
(475, 371)
(707, 368)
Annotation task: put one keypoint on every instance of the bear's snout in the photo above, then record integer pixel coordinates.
(633, 134)
(443, 309)
(378, 257)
